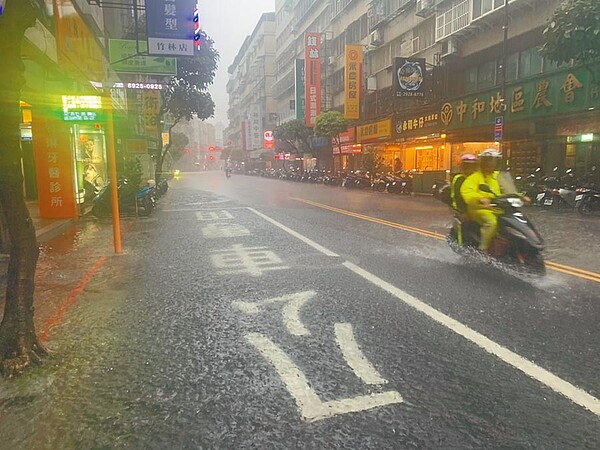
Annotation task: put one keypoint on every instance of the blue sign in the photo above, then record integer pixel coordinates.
(2, 6)
(499, 125)
(500, 120)
(170, 27)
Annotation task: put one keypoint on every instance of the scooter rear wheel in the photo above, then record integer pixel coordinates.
(530, 262)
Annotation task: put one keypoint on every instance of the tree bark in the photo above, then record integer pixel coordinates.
(19, 345)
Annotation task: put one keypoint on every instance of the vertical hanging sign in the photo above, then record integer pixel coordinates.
(170, 26)
(354, 59)
(299, 104)
(312, 76)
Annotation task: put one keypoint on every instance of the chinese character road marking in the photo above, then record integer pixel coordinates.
(291, 311)
(220, 230)
(213, 215)
(310, 405)
(251, 260)
(354, 356)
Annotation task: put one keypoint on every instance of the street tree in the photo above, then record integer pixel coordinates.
(295, 134)
(331, 124)
(19, 345)
(573, 33)
(186, 95)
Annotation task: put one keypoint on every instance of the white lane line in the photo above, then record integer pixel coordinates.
(310, 405)
(354, 356)
(291, 311)
(577, 395)
(297, 235)
(214, 215)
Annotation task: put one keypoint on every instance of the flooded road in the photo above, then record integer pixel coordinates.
(238, 317)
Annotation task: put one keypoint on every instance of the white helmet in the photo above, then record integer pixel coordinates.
(490, 153)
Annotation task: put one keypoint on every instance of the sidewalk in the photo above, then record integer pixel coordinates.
(46, 229)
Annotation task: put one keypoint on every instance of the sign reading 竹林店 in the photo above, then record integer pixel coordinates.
(170, 26)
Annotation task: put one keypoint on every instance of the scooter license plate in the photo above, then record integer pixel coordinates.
(540, 196)
(578, 197)
(548, 201)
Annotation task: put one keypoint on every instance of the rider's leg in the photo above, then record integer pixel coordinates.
(489, 227)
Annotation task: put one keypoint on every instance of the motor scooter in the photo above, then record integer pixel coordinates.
(131, 200)
(517, 244)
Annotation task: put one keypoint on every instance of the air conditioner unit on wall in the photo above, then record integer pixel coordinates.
(376, 37)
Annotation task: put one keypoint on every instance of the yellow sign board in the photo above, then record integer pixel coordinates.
(374, 131)
(354, 59)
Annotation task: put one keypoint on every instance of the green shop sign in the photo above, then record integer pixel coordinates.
(121, 53)
(547, 95)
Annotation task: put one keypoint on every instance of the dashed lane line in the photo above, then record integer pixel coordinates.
(560, 386)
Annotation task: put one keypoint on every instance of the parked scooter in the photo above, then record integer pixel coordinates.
(228, 172)
(131, 200)
(517, 243)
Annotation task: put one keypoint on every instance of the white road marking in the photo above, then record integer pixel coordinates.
(250, 260)
(310, 405)
(577, 395)
(291, 311)
(562, 387)
(354, 356)
(297, 235)
(224, 230)
(213, 215)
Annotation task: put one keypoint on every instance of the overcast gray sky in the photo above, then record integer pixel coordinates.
(228, 22)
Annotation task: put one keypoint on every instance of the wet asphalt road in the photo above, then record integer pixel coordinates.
(239, 316)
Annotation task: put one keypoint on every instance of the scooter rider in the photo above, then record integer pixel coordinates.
(478, 201)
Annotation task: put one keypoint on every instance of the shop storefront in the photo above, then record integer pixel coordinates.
(348, 155)
(551, 120)
(373, 138)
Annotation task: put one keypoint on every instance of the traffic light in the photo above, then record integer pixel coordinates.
(211, 148)
(199, 35)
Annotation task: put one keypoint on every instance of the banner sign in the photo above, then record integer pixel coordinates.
(150, 110)
(121, 55)
(170, 27)
(254, 121)
(300, 104)
(354, 58)
(312, 76)
(409, 77)
(54, 169)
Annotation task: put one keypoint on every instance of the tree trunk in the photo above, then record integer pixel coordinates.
(19, 345)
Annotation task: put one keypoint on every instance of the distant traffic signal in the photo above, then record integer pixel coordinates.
(211, 148)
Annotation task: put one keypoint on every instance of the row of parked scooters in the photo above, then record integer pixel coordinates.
(394, 183)
(133, 200)
(563, 191)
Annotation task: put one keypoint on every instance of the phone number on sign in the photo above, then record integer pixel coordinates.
(149, 86)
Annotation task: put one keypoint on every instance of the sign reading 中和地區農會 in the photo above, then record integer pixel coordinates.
(124, 59)
(170, 27)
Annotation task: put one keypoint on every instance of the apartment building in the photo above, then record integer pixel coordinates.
(252, 109)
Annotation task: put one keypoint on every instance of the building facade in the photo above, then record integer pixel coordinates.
(476, 89)
(252, 109)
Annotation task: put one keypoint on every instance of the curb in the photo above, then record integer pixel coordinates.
(54, 229)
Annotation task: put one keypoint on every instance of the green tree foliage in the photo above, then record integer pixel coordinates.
(573, 32)
(295, 133)
(186, 95)
(330, 124)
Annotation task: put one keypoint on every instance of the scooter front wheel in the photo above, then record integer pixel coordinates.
(530, 261)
